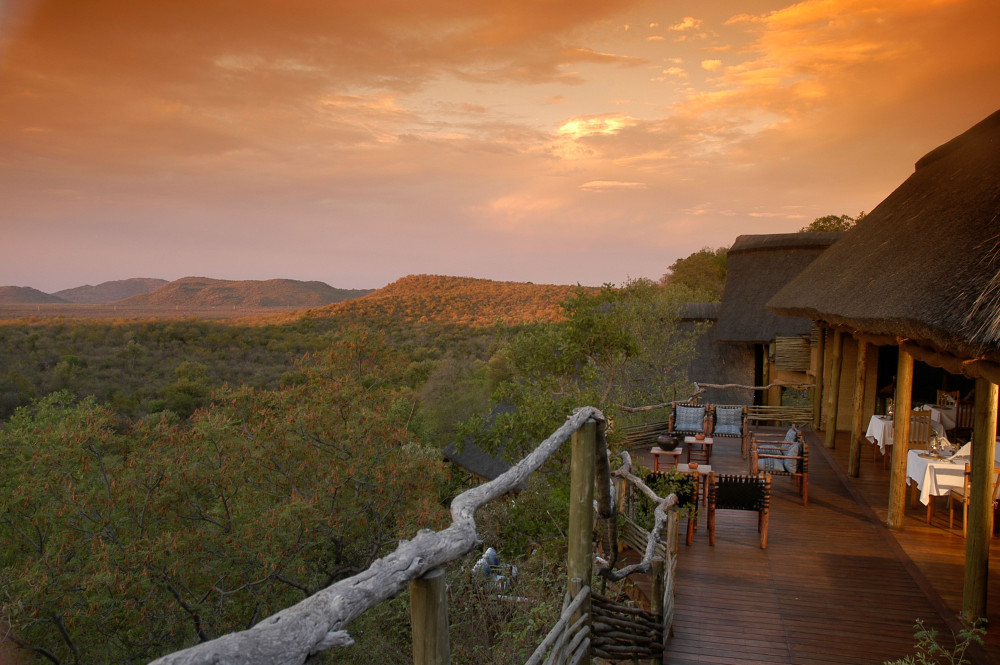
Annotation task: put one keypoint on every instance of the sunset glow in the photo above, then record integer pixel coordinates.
(355, 143)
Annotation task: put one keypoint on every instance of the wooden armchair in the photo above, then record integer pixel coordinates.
(783, 459)
(693, 420)
(734, 492)
(730, 421)
(689, 419)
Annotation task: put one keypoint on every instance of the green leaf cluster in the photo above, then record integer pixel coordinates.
(832, 223)
(621, 346)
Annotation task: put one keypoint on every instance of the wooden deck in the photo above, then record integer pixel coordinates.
(834, 585)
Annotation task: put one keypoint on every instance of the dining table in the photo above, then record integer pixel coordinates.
(934, 475)
(941, 413)
(880, 431)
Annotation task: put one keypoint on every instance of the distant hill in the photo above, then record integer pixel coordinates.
(205, 292)
(25, 295)
(464, 300)
(111, 291)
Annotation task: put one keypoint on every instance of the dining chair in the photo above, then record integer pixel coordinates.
(921, 433)
(963, 419)
(956, 495)
(948, 397)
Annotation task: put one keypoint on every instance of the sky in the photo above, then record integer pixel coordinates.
(354, 143)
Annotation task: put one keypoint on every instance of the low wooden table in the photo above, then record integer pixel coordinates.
(700, 449)
(672, 457)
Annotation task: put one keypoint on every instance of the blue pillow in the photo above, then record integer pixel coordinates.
(728, 421)
(770, 465)
(690, 419)
(791, 435)
(792, 465)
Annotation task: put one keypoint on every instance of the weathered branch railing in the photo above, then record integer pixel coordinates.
(320, 621)
(759, 413)
(701, 388)
(569, 640)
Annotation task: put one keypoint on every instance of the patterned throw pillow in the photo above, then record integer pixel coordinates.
(728, 421)
(791, 435)
(792, 465)
(770, 465)
(690, 419)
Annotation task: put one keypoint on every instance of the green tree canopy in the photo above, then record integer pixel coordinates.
(703, 273)
(122, 543)
(832, 223)
(620, 346)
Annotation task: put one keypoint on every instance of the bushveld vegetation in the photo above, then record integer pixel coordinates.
(170, 481)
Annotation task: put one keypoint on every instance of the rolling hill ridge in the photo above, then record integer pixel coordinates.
(458, 300)
(25, 295)
(206, 292)
(110, 291)
(187, 293)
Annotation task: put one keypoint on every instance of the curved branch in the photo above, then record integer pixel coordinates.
(660, 516)
(699, 389)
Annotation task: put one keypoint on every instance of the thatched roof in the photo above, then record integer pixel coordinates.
(699, 311)
(474, 459)
(925, 263)
(758, 266)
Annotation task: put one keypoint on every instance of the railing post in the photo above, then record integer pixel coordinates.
(656, 586)
(429, 619)
(579, 559)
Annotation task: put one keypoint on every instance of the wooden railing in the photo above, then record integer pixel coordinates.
(569, 639)
(758, 413)
(320, 622)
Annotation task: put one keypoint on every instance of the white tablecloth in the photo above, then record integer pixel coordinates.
(941, 414)
(934, 477)
(880, 429)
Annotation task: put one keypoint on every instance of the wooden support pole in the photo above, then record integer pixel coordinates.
(580, 557)
(429, 619)
(857, 422)
(833, 398)
(656, 586)
(900, 439)
(774, 393)
(817, 396)
(980, 527)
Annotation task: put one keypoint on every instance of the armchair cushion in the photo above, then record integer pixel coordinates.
(770, 465)
(690, 418)
(728, 421)
(793, 452)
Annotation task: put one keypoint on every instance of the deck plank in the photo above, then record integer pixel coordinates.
(834, 586)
